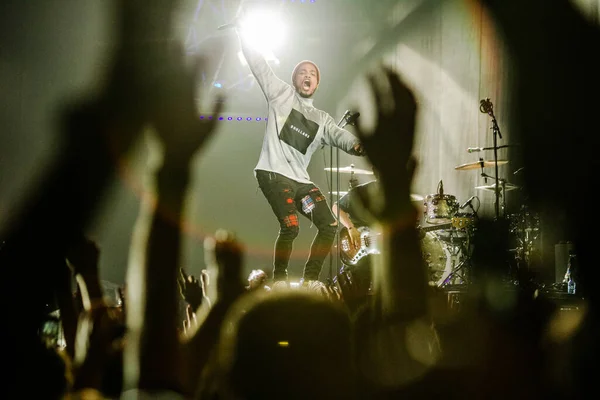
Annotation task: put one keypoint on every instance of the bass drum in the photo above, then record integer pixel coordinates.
(435, 257)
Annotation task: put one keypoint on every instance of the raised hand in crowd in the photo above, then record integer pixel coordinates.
(390, 144)
(180, 134)
(401, 282)
(97, 360)
(394, 334)
(95, 133)
(193, 290)
(190, 323)
(224, 259)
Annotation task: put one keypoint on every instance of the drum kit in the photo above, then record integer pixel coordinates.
(446, 238)
(447, 251)
(446, 246)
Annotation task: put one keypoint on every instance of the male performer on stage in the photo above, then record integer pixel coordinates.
(295, 130)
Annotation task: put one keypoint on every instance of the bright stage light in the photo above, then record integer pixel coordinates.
(264, 30)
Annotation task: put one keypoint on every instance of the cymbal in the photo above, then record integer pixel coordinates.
(413, 197)
(349, 170)
(416, 197)
(507, 187)
(477, 164)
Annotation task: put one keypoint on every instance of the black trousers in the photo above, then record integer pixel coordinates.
(287, 199)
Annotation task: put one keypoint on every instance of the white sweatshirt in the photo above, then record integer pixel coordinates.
(295, 129)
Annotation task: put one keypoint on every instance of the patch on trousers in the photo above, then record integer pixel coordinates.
(290, 220)
(307, 204)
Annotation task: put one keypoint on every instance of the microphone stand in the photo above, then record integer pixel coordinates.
(489, 109)
(342, 123)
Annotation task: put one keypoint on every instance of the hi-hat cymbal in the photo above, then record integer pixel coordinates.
(478, 164)
(492, 187)
(349, 170)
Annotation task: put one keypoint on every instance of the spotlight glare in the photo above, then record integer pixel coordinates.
(263, 29)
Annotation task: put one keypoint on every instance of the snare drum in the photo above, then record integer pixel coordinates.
(463, 220)
(440, 208)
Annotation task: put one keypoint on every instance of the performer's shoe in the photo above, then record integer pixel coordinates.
(313, 286)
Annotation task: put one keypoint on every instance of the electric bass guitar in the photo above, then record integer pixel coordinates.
(369, 242)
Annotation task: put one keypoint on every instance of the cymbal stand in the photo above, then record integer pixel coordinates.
(501, 191)
(487, 107)
(347, 119)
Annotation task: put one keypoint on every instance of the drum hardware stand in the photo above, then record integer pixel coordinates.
(456, 269)
(525, 236)
(500, 192)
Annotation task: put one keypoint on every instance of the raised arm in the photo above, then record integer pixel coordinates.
(181, 133)
(98, 331)
(341, 138)
(269, 83)
(399, 303)
(399, 279)
(224, 256)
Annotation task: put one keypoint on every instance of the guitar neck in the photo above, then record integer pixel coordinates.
(422, 229)
(435, 227)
